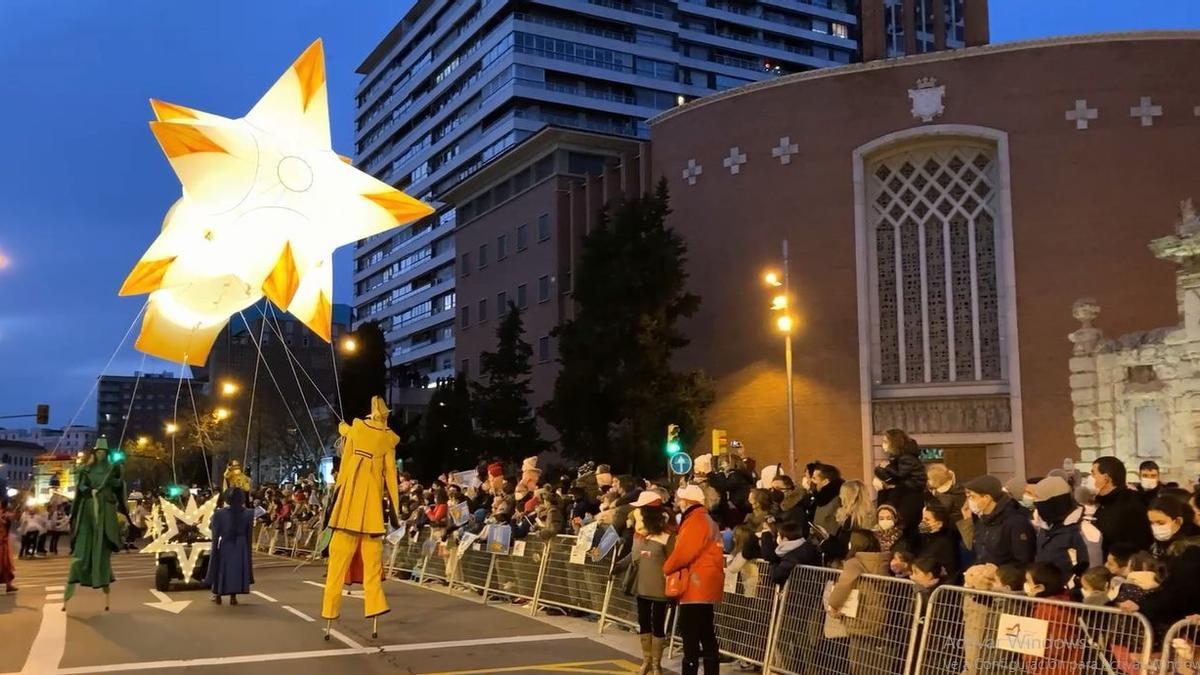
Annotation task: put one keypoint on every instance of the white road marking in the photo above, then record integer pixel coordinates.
(214, 661)
(264, 596)
(349, 594)
(51, 641)
(54, 597)
(165, 603)
(55, 588)
(300, 614)
(344, 639)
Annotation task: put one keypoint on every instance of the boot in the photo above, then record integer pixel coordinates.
(656, 654)
(647, 643)
(233, 600)
(712, 666)
(689, 666)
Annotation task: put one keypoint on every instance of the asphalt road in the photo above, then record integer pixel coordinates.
(279, 627)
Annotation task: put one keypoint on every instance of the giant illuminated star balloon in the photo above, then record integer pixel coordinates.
(265, 203)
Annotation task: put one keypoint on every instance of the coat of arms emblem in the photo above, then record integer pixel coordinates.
(926, 98)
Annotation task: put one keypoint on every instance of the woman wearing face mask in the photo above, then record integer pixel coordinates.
(1056, 519)
(1179, 594)
(938, 541)
(888, 528)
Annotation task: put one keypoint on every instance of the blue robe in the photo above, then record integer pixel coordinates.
(230, 570)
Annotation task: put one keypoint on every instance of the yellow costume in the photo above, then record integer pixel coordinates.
(368, 464)
(234, 478)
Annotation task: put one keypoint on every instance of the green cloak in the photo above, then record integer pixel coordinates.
(95, 532)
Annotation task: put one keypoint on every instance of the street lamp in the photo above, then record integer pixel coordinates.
(221, 414)
(229, 388)
(172, 427)
(785, 323)
(143, 441)
(349, 345)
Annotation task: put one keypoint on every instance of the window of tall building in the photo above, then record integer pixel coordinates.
(501, 303)
(933, 226)
(522, 236)
(522, 296)
(543, 288)
(543, 349)
(482, 256)
(501, 247)
(841, 30)
(465, 367)
(543, 227)
(483, 310)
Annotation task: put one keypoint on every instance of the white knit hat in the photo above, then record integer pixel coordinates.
(692, 493)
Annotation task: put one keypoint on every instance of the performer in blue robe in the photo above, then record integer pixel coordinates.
(230, 570)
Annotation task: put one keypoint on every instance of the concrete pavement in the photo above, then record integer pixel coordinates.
(279, 627)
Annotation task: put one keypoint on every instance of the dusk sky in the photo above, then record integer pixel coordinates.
(84, 186)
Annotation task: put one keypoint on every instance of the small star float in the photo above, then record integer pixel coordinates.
(265, 203)
(184, 532)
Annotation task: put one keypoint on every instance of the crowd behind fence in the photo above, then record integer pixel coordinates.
(887, 627)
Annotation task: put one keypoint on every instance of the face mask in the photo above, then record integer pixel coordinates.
(1162, 532)
(1149, 483)
(886, 525)
(678, 518)
(1027, 502)
(974, 507)
(806, 482)
(898, 569)
(926, 528)
(777, 495)
(1039, 523)
(1032, 590)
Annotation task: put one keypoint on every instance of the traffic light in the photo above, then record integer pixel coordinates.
(174, 491)
(116, 456)
(43, 413)
(673, 445)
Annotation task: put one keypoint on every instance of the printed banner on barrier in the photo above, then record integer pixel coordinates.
(499, 539)
(1022, 634)
(608, 541)
(518, 549)
(731, 578)
(460, 513)
(397, 534)
(465, 541)
(583, 543)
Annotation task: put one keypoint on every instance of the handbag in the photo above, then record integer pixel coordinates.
(677, 583)
(630, 579)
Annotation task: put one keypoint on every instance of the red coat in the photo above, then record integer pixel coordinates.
(1063, 654)
(698, 548)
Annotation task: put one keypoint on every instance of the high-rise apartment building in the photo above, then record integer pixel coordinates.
(457, 83)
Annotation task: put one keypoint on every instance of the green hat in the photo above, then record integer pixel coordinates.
(101, 444)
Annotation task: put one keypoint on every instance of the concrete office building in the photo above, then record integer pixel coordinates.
(457, 83)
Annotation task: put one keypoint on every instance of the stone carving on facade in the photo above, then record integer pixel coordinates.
(927, 103)
(1137, 396)
(992, 414)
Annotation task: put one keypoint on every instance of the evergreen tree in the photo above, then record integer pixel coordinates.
(616, 393)
(446, 441)
(363, 373)
(504, 421)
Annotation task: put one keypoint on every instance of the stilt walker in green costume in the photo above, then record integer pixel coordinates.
(95, 533)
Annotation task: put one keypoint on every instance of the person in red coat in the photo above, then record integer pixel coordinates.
(698, 551)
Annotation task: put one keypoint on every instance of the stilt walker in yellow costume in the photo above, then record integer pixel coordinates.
(357, 517)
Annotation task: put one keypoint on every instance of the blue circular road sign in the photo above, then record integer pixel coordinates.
(681, 463)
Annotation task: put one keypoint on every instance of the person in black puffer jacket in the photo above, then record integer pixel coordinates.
(1179, 594)
(998, 532)
(902, 481)
(1120, 513)
(939, 541)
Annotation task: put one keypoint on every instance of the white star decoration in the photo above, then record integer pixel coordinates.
(265, 203)
(165, 524)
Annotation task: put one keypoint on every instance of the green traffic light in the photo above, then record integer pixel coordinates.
(174, 491)
(674, 447)
(117, 457)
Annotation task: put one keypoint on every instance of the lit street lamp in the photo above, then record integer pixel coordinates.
(349, 345)
(785, 323)
(221, 414)
(229, 388)
(172, 427)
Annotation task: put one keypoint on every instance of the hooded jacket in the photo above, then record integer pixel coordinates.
(794, 554)
(1062, 545)
(905, 479)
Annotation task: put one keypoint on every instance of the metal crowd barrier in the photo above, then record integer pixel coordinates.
(1181, 649)
(969, 632)
(886, 628)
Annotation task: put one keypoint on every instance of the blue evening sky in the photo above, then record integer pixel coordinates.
(84, 186)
